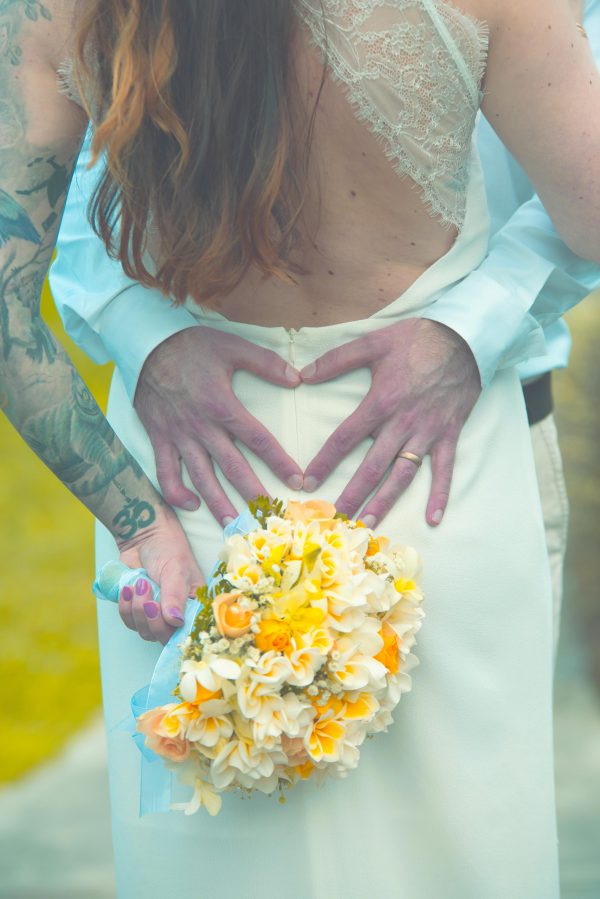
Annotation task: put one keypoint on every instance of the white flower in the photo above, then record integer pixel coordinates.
(212, 725)
(305, 661)
(205, 795)
(242, 762)
(281, 715)
(356, 671)
(270, 668)
(210, 673)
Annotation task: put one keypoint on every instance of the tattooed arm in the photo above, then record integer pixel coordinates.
(40, 391)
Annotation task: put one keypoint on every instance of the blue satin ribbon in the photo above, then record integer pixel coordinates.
(156, 781)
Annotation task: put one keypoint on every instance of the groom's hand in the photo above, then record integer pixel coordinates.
(185, 401)
(425, 382)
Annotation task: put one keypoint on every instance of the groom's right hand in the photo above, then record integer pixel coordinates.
(185, 401)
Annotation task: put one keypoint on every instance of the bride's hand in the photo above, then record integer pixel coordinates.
(425, 382)
(163, 550)
(186, 403)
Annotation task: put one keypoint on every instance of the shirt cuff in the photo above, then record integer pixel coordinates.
(490, 317)
(134, 323)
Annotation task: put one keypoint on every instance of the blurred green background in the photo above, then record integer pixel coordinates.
(49, 674)
(49, 667)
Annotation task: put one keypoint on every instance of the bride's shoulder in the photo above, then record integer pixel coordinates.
(43, 30)
(514, 13)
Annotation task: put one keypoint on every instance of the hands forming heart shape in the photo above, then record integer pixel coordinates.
(424, 384)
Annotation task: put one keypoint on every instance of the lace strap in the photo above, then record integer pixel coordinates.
(442, 29)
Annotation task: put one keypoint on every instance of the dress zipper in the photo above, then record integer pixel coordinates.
(292, 348)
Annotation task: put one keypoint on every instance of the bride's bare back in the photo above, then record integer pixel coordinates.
(373, 235)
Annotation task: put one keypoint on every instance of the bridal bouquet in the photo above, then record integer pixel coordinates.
(300, 649)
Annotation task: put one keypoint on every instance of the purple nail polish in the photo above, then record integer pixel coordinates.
(151, 609)
(141, 586)
(127, 593)
(175, 613)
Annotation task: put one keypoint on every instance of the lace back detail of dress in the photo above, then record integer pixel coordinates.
(412, 70)
(66, 81)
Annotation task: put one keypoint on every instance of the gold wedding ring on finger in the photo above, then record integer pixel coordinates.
(411, 457)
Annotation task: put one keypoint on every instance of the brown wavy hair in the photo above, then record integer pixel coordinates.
(195, 108)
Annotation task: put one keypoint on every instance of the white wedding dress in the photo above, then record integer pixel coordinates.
(456, 801)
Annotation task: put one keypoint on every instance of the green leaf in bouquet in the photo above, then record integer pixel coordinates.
(263, 508)
(204, 616)
(311, 557)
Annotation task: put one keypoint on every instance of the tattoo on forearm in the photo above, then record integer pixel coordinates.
(39, 390)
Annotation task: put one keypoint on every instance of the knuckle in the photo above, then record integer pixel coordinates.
(372, 471)
(259, 442)
(382, 405)
(216, 409)
(342, 442)
(405, 475)
(231, 466)
(352, 501)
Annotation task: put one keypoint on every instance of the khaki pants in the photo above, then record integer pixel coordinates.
(555, 505)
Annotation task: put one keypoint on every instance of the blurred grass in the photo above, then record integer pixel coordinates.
(577, 390)
(49, 671)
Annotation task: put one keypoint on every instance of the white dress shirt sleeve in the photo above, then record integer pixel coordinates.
(109, 315)
(528, 280)
(507, 309)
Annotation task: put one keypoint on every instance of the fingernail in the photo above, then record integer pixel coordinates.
(310, 484)
(190, 505)
(368, 521)
(127, 593)
(173, 612)
(227, 520)
(151, 609)
(292, 375)
(437, 516)
(141, 586)
(309, 370)
(295, 482)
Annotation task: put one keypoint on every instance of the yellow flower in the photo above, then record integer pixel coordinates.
(274, 634)
(304, 619)
(325, 738)
(404, 585)
(305, 770)
(389, 655)
(363, 708)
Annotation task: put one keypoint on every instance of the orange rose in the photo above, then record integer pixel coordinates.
(149, 722)
(312, 510)
(231, 619)
(389, 655)
(174, 748)
(273, 634)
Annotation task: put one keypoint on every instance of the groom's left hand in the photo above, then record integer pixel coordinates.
(425, 382)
